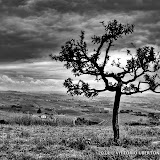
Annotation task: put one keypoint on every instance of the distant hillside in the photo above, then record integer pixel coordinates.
(78, 106)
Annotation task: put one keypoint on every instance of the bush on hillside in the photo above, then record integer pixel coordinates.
(39, 111)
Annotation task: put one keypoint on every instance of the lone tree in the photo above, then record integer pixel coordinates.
(139, 74)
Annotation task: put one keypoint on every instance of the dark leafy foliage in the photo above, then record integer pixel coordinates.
(144, 64)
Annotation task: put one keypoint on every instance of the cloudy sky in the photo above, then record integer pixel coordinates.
(30, 30)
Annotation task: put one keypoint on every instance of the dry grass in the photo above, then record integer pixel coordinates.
(27, 120)
(39, 142)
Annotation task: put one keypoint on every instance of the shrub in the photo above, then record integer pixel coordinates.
(24, 133)
(62, 120)
(81, 121)
(3, 121)
(77, 143)
(153, 121)
(126, 111)
(139, 114)
(39, 111)
(135, 141)
(136, 123)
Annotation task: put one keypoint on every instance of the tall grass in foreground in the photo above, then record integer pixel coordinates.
(32, 138)
(27, 120)
(75, 143)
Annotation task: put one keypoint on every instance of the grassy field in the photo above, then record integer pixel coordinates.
(39, 142)
(28, 137)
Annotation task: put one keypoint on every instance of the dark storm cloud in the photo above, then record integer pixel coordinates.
(20, 45)
(150, 27)
(15, 8)
(26, 8)
(94, 5)
(34, 28)
(27, 38)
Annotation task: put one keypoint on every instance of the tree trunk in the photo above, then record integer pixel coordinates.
(115, 114)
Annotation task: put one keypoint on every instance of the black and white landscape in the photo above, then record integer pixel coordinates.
(79, 79)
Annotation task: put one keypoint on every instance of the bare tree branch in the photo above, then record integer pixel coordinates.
(100, 46)
(106, 55)
(135, 77)
(138, 90)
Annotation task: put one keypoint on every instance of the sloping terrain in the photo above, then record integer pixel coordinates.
(78, 143)
(96, 108)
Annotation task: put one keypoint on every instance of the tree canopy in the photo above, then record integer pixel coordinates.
(143, 64)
